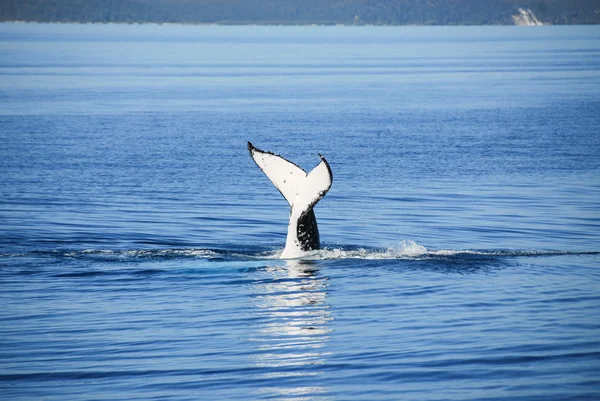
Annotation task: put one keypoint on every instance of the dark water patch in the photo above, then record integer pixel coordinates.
(121, 374)
(84, 274)
(100, 273)
(350, 252)
(521, 357)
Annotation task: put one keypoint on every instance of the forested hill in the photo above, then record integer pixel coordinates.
(380, 12)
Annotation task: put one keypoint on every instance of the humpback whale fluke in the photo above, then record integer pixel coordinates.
(302, 191)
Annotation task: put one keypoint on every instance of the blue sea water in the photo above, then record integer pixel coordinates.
(139, 242)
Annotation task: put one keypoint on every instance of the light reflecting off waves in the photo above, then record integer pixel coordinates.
(295, 319)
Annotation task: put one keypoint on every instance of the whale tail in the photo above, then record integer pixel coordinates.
(302, 191)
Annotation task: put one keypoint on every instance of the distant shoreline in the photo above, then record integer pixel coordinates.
(306, 12)
(269, 24)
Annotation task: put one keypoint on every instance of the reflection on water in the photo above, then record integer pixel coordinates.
(294, 328)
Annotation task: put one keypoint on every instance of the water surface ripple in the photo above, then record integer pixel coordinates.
(139, 243)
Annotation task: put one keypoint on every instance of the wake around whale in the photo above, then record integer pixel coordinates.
(302, 191)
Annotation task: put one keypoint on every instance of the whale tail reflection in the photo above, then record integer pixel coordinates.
(295, 317)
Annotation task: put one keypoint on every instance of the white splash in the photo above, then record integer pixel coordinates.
(146, 253)
(526, 17)
(405, 249)
(409, 248)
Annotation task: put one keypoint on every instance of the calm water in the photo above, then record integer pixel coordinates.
(139, 242)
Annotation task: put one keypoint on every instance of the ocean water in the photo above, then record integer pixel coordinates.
(139, 241)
